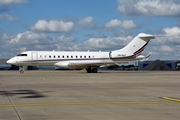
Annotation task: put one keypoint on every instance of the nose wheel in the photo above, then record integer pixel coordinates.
(21, 69)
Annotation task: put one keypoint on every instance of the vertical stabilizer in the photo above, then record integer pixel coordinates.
(137, 45)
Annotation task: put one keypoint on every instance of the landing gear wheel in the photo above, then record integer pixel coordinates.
(95, 70)
(88, 70)
(91, 70)
(21, 71)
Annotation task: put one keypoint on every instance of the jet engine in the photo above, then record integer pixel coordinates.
(117, 55)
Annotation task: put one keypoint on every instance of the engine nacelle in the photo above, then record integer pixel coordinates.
(115, 55)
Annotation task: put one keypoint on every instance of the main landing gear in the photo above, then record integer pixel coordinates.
(21, 69)
(91, 70)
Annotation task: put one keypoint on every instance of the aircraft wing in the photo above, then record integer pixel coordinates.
(84, 64)
(80, 64)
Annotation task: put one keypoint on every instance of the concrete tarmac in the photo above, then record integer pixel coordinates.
(77, 95)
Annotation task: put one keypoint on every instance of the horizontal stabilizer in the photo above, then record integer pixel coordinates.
(143, 58)
(143, 35)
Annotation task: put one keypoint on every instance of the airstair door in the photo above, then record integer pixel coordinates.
(34, 57)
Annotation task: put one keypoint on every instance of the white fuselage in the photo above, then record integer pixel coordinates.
(49, 58)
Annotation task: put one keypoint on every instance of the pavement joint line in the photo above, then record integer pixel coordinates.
(86, 103)
(172, 99)
(10, 102)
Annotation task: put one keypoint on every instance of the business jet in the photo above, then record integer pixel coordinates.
(90, 60)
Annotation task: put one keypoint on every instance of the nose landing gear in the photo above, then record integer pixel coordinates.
(21, 69)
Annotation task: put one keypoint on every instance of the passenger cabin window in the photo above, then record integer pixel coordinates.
(89, 56)
(71, 56)
(58, 56)
(62, 56)
(49, 56)
(76, 56)
(54, 56)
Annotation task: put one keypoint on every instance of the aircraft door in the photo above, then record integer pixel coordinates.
(34, 57)
(110, 56)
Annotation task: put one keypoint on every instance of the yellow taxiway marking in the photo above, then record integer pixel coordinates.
(172, 99)
(85, 103)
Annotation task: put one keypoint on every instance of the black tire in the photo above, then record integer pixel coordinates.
(88, 70)
(21, 71)
(95, 70)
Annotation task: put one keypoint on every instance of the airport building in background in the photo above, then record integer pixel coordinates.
(167, 65)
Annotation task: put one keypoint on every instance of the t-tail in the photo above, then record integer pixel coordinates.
(133, 49)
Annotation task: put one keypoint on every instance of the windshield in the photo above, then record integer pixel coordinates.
(22, 55)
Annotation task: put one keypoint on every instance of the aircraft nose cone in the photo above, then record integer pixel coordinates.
(10, 61)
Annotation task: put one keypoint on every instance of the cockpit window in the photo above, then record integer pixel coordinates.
(22, 55)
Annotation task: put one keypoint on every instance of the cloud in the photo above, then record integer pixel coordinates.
(7, 17)
(172, 31)
(87, 22)
(171, 37)
(5, 37)
(4, 7)
(7, 49)
(126, 24)
(64, 38)
(104, 44)
(5, 2)
(165, 46)
(53, 26)
(107, 43)
(35, 41)
(15, 44)
(28, 38)
(149, 7)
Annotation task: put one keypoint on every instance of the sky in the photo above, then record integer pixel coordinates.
(82, 25)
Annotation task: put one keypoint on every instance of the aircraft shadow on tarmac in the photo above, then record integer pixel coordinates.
(23, 93)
